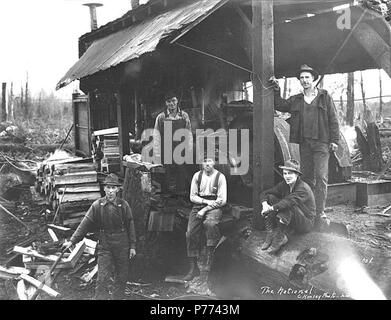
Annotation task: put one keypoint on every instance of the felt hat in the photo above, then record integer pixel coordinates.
(306, 68)
(292, 165)
(112, 180)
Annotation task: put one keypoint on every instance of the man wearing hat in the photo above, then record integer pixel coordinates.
(314, 126)
(166, 124)
(290, 205)
(208, 192)
(113, 219)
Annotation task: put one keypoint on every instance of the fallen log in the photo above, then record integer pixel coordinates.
(337, 266)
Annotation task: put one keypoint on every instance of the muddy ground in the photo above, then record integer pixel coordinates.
(364, 227)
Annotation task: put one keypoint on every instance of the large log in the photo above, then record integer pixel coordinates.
(339, 266)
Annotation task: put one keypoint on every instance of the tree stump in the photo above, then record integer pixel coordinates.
(331, 264)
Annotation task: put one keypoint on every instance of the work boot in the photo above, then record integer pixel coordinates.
(194, 270)
(321, 223)
(269, 232)
(279, 238)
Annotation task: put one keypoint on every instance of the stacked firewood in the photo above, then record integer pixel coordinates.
(70, 185)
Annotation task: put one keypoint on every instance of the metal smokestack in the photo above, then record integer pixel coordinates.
(94, 21)
(134, 3)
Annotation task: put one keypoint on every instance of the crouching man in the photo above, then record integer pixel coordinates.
(290, 205)
(208, 192)
(112, 217)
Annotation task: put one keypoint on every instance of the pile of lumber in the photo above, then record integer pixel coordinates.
(41, 262)
(70, 185)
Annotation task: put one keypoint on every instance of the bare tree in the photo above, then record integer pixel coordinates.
(3, 102)
(350, 100)
(11, 103)
(26, 93)
(380, 94)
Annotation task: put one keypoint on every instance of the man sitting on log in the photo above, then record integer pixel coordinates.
(113, 218)
(208, 192)
(288, 205)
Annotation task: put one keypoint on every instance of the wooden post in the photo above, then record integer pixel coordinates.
(350, 98)
(3, 102)
(263, 114)
(380, 95)
(123, 120)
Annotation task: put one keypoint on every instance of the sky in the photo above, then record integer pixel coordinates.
(41, 37)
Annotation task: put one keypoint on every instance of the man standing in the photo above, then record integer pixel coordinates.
(314, 126)
(290, 205)
(113, 218)
(208, 192)
(166, 124)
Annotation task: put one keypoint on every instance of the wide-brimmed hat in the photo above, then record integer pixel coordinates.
(306, 68)
(292, 165)
(112, 180)
(169, 95)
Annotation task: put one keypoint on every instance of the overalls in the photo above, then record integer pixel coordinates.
(113, 251)
(210, 222)
(176, 175)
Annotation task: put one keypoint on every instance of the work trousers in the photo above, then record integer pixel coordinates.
(314, 159)
(113, 256)
(195, 227)
(293, 217)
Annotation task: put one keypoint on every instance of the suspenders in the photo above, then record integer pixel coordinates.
(101, 218)
(215, 183)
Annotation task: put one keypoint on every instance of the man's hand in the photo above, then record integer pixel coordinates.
(333, 147)
(201, 213)
(207, 202)
(132, 253)
(66, 245)
(274, 83)
(266, 208)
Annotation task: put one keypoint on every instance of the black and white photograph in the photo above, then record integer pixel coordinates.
(191, 155)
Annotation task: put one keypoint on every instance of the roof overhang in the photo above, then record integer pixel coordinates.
(136, 40)
(318, 40)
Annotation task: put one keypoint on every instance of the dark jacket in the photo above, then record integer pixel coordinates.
(114, 214)
(301, 196)
(326, 127)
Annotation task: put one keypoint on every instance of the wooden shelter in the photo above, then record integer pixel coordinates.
(207, 50)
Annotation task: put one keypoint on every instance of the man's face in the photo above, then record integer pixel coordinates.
(171, 104)
(208, 164)
(306, 80)
(111, 192)
(290, 177)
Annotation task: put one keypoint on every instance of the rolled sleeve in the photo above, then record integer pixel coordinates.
(221, 193)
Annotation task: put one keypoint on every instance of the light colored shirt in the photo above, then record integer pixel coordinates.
(180, 114)
(206, 189)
